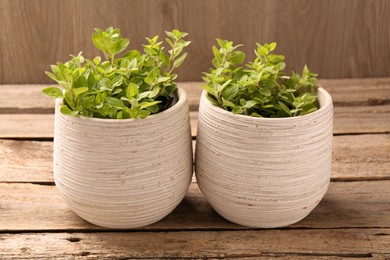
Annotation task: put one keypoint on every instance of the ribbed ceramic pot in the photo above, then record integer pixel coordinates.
(264, 172)
(124, 173)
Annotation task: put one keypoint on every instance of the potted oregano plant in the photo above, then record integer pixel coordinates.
(264, 142)
(122, 141)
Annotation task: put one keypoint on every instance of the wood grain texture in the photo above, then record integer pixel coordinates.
(31, 207)
(347, 120)
(23, 99)
(356, 243)
(335, 38)
(355, 157)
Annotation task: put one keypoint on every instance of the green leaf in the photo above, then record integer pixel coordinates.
(52, 76)
(250, 104)
(162, 79)
(227, 103)
(237, 110)
(284, 107)
(67, 111)
(149, 81)
(180, 60)
(132, 91)
(262, 51)
(212, 99)
(115, 102)
(144, 113)
(220, 88)
(78, 91)
(230, 92)
(217, 54)
(53, 92)
(148, 104)
(97, 60)
(272, 46)
(121, 45)
(164, 59)
(208, 89)
(133, 112)
(237, 57)
(154, 92)
(104, 84)
(153, 109)
(265, 91)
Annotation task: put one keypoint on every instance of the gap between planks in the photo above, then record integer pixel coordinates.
(355, 158)
(347, 120)
(28, 207)
(23, 99)
(356, 243)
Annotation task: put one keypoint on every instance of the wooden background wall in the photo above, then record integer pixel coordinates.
(336, 38)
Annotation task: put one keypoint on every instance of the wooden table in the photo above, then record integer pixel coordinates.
(353, 220)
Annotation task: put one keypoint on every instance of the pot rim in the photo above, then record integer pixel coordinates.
(182, 95)
(325, 103)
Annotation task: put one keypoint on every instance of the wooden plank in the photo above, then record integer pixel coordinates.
(26, 161)
(26, 50)
(355, 157)
(361, 157)
(26, 99)
(31, 207)
(347, 120)
(358, 92)
(26, 125)
(359, 120)
(356, 243)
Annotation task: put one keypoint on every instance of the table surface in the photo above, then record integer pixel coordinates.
(353, 219)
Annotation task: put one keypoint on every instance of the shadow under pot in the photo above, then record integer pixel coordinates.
(123, 173)
(264, 172)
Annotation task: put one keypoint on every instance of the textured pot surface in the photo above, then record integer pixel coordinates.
(264, 172)
(124, 173)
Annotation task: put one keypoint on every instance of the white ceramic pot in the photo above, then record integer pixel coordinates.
(124, 173)
(264, 172)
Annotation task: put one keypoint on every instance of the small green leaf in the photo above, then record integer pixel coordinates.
(104, 84)
(53, 92)
(144, 113)
(220, 88)
(250, 104)
(230, 92)
(133, 112)
(284, 107)
(208, 89)
(132, 91)
(115, 102)
(237, 110)
(121, 45)
(78, 91)
(67, 111)
(237, 57)
(149, 81)
(148, 104)
(265, 91)
(164, 59)
(272, 46)
(227, 103)
(162, 79)
(217, 54)
(97, 60)
(180, 60)
(154, 92)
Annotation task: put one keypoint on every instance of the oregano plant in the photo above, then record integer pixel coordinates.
(133, 85)
(260, 88)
